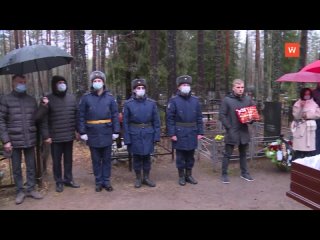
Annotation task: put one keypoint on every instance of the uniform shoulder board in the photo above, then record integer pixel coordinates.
(194, 96)
(129, 100)
(109, 93)
(151, 100)
(85, 95)
(173, 97)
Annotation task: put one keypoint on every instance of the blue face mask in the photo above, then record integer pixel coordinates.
(61, 87)
(97, 85)
(21, 87)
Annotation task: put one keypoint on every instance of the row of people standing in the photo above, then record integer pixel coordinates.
(96, 120)
(61, 121)
(99, 123)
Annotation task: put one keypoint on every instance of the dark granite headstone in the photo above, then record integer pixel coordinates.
(272, 119)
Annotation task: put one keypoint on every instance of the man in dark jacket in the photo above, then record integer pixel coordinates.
(98, 126)
(237, 133)
(141, 124)
(59, 130)
(18, 133)
(185, 127)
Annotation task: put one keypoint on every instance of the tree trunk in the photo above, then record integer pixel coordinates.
(103, 51)
(4, 84)
(200, 81)
(246, 63)
(48, 37)
(303, 55)
(72, 47)
(21, 38)
(218, 64)
(172, 60)
(266, 80)
(16, 38)
(49, 72)
(154, 81)
(276, 64)
(94, 50)
(257, 66)
(79, 72)
(56, 37)
(227, 61)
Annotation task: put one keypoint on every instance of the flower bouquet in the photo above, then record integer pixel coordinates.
(280, 152)
(219, 137)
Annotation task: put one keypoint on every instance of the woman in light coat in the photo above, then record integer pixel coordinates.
(304, 126)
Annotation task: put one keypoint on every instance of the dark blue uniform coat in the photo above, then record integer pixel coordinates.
(184, 109)
(95, 107)
(140, 140)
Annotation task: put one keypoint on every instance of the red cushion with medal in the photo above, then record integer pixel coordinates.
(248, 114)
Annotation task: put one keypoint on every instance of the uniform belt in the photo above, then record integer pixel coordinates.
(99, 121)
(140, 125)
(186, 124)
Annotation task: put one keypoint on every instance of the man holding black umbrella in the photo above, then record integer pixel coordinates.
(18, 131)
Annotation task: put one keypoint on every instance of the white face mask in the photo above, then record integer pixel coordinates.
(185, 89)
(140, 92)
(97, 85)
(61, 87)
(307, 97)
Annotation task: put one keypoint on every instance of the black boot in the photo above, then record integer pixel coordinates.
(189, 177)
(147, 181)
(137, 184)
(182, 179)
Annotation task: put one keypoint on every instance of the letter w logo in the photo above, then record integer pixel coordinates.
(292, 49)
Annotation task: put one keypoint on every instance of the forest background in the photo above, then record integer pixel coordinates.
(212, 57)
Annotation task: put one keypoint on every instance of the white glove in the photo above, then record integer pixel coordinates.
(115, 136)
(84, 137)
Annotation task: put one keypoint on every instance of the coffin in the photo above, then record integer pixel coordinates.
(305, 184)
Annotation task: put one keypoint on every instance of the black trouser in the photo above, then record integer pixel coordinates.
(227, 155)
(57, 150)
(101, 164)
(141, 162)
(184, 159)
(30, 168)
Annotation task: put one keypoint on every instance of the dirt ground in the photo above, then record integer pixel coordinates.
(267, 192)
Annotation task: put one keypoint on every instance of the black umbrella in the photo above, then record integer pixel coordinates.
(33, 58)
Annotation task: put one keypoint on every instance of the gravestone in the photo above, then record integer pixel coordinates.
(272, 119)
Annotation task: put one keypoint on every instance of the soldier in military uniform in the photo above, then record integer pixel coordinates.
(141, 124)
(185, 127)
(98, 126)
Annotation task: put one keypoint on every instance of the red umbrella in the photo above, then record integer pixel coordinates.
(312, 67)
(300, 77)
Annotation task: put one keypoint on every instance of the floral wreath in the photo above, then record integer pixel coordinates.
(280, 152)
